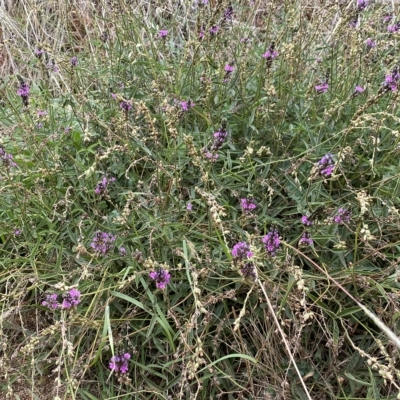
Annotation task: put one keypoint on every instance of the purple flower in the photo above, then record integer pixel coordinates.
(101, 187)
(247, 205)
(212, 157)
(51, 301)
(7, 159)
(370, 43)
(362, 5)
(23, 91)
(248, 270)
(306, 220)
(119, 363)
(241, 250)
(39, 52)
(387, 18)
(17, 232)
(202, 32)
(306, 240)
(126, 105)
(162, 278)
(326, 165)
(41, 113)
(219, 138)
(102, 242)
(343, 215)
(228, 69)
(186, 105)
(270, 54)
(122, 251)
(392, 80)
(359, 89)
(322, 88)
(228, 14)
(71, 299)
(163, 33)
(214, 30)
(272, 241)
(189, 206)
(394, 28)
(74, 61)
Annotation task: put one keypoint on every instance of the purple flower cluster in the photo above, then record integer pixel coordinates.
(119, 363)
(322, 88)
(248, 271)
(394, 28)
(219, 138)
(362, 5)
(102, 242)
(370, 43)
(24, 92)
(186, 105)
(74, 61)
(343, 215)
(306, 240)
(228, 14)
(162, 33)
(359, 89)
(126, 105)
(270, 54)
(326, 165)
(101, 187)
(122, 251)
(38, 52)
(247, 205)
(162, 278)
(272, 241)
(392, 80)
(7, 159)
(214, 30)
(70, 299)
(241, 250)
(307, 221)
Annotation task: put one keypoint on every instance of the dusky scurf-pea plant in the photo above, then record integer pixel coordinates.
(220, 181)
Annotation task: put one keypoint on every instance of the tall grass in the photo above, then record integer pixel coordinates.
(157, 136)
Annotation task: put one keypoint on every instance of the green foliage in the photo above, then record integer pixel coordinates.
(147, 111)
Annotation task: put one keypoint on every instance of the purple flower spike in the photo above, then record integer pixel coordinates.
(162, 278)
(51, 302)
(343, 215)
(392, 80)
(306, 240)
(24, 92)
(270, 54)
(326, 165)
(214, 30)
(306, 220)
(359, 89)
(119, 363)
(272, 242)
(362, 4)
(126, 105)
(370, 43)
(322, 88)
(241, 250)
(102, 242)
(248, 271)
(247, 205)
(101, 187)
(71, 299)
